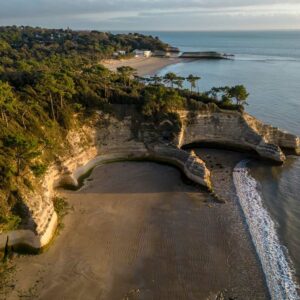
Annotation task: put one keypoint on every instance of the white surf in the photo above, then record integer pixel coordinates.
(277, 269)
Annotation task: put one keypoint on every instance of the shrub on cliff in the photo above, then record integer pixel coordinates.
(160, 99)
(225, 95)
(240, 94)
(193, 80)
(21, 150)
(62, 208)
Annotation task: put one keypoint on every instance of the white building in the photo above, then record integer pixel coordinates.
(142, 53)
(119, 52)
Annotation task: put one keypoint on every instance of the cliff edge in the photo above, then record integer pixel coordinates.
(126, 136)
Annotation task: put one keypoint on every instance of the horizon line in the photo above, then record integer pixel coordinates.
(155, 30)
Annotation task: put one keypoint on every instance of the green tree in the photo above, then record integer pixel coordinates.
(156, 79)
(103, 75)
(7, 101)
(159, 99)
(126, 74)
(38, 169)
(219, 92)
(171, 101)
(152, 100)
(4, 47)
(21, 150)
(239, 92)
(193, 81)
(179, 82)
(65, 87)
(49, 87)
(170, 79)
(56, 88)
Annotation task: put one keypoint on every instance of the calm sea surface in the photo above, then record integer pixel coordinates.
(268, 64)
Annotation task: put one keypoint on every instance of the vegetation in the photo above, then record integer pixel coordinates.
(223, 97)
(227, 94)
(193, 81)
(159, 99)
(52, 80)
(61, 207)
(28, 42)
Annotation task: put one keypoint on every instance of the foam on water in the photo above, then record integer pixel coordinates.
(276, 267)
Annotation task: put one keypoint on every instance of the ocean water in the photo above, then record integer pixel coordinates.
(273, 256)
(268, 64)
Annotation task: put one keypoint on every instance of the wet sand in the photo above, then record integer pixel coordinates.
(144, 66)
(137, 231)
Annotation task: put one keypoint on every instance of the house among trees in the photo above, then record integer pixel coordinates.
(142, 53)
(119, 53)
(167, 52)
(160, 53)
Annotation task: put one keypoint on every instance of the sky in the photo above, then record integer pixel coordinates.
(153, 15)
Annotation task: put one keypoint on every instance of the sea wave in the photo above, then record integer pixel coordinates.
(273, 256)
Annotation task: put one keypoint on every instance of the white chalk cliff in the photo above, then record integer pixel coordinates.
(109, 139)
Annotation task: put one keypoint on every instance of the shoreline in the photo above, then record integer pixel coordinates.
(127, 237)
(277, 267)
(144, 66)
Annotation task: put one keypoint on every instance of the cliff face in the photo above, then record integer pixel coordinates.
(274, 135)
(127, 137)
(232, 129)
(42, 223)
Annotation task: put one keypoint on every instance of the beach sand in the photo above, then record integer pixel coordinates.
(143, 65)
(138, 231)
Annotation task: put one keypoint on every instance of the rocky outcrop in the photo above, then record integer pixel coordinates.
(274, 135)
(232, 129)
(128, 137)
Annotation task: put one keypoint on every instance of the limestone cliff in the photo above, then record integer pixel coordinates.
(274, 135)
(232, 129)
(127, 136)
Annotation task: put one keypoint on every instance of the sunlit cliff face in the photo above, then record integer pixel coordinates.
(154, 14)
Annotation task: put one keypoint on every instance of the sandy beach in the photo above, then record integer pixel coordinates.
(143, 65)
(138, 231)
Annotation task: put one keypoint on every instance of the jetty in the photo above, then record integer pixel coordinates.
(206, 55)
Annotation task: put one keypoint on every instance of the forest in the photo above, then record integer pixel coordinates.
(52, 80)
